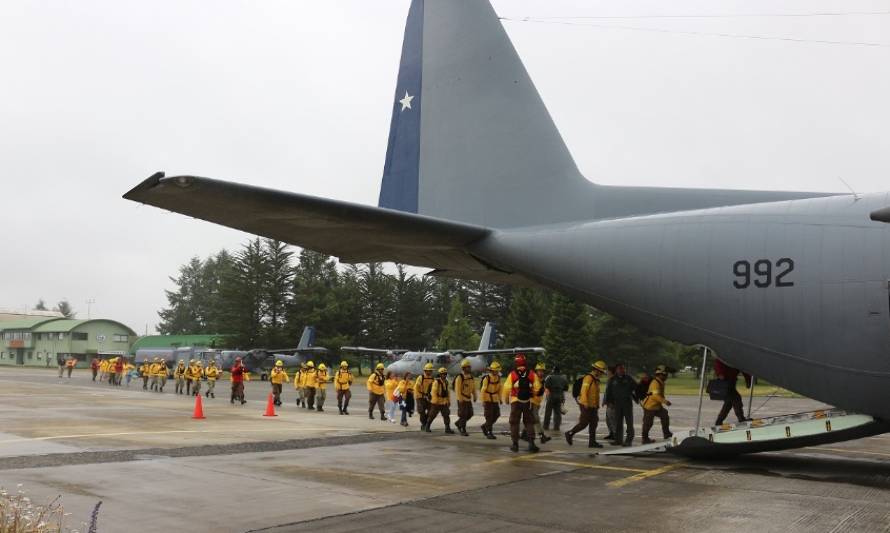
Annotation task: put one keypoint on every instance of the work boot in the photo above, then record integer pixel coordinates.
(627, 443)
(514, 447)
(427, 429)
(243, 401)
(523, 435)
(532, 448)
(463, 432)
(544, 438)
(371, 416)
(320, 409)
(448, 430)
(594, 444)
(615, 443)
(345, 412)
(213, 395)
(647, 440)
(609, 437)
(568, 436)
(668, 435)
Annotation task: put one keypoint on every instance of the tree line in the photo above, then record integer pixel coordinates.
(263, 294)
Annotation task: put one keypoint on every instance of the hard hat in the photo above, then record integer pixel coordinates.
(465, 363)
(661, 369)
(198, 363)
(600, 365)
(495, 366)
(443, 370)
(379, 366)
(344, 364)
(321, 366)
(310, 364)
(279, 363)
(428, 366)
(519, 361)
(540, 366)
(213, 361)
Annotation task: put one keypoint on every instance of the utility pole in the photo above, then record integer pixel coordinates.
(90, 302)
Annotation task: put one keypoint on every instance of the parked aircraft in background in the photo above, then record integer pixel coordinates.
(450, 359)
(260, 360)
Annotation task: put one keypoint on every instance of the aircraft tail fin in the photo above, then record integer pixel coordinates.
(307, 340)
(489, 337)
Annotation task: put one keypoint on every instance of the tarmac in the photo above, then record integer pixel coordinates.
(156, 469)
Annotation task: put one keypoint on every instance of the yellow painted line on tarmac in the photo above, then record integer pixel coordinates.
(544, 459)
(179, 431)
(618, 483)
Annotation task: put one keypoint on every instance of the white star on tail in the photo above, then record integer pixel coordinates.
(406, 101)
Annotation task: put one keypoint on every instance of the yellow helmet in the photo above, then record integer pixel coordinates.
(495, 366)
(321, 366)
(428, 366)
(344, 364)
(198, 363)
(310, 364)
(379, 366)
(212, 362)
(661, 369)
(465, 363)
(279, 363)
(601, 366)
(540, 366)
(443, 370)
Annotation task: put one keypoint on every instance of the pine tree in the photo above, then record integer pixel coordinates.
(567, 339)
(277, 289)
(457, 334)
(65, 308)
(41, 305)
(528, 317)
(182, 316)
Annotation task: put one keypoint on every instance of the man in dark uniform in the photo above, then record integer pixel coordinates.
(556, 384)
(619, 397)
(733, 400)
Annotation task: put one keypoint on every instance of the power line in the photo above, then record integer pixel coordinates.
(722, 16)
(701, 33)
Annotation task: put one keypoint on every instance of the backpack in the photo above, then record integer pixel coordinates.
(641, 390)
(524, 386)
(576, 386)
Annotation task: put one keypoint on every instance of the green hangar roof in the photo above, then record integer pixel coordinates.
(175, 341)
(64, 325)
(25, 323)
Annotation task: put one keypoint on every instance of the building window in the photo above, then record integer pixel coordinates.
(79, 336)
(120, 338)
(30, 355)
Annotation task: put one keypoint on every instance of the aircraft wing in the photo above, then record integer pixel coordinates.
(354, 233)
(362, 349)
(501, 351)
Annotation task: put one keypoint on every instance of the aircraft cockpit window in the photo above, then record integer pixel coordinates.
(443, 359)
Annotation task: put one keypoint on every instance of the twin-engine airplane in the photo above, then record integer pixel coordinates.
(478, 184)
(451, 360)
(260, 360)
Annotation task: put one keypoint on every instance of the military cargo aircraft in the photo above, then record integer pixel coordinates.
(260, 360)
(478, 184)
(449, 359)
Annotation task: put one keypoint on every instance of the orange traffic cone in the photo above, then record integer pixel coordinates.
(270, 407)
(199, 408)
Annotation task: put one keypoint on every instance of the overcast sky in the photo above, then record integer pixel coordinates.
(95, 96)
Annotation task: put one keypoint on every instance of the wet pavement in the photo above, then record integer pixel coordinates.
(157, 469)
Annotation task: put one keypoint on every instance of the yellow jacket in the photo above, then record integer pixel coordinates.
(590, 392)
(423, 386)
(103, 366)
(321, 379)
(144, 369)
(375, 384)
(507, 395)
(389, 386)
(655, 398)
(309, 378)
(465, 388)
(128, 367)
(153, 370)
(193, 373)
(179, 371)
(440, 393)
(491, 388)
(403, 387)
(278, 376)
(343, 380)
(298, 379)
(212, 372)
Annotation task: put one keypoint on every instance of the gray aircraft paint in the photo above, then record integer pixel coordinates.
(501, 199)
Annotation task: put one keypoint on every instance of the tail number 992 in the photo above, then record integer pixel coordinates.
(763, 273)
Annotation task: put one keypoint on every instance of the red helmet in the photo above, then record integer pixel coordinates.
(519, 361)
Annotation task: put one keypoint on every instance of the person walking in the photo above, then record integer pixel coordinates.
(519, 387)
(733, 400)
(321, 386)
(278, 377)
(376, 392)
(440, 402)
(70, 363)
(212, 373)
(465, 390)
(423, 386)
(118, 371)
(491, 398)
(405, 391)
(239, 374)
(197, 377)
(130, 372)
(389, 388)
(654, 406)
(620, 397)
(299, 385)
(556, 384)
(179, 377)
(144, 371)
(94, 367)
(537, 400)
(189, 379)
(60, 361)
(153, 372)
(163, 374)
(589, 402)
(343, 383)
(310, 380)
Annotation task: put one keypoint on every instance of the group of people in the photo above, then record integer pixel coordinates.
(311, 385)
(111, 370)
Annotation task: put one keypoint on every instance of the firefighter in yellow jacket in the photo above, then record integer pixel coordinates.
(145, 371)
(422, 388)
(589, 402)
(465, 390)
(491, 398)
(519, 387)
(376, 392)
(212, 374)
(278, 377)
(299, 379)
(440, 400)
(197, 374)
(342, 383)
(153, 371)
(179, 377)
(654, 406)
(537, 400)
(310, 379)
(321, 386)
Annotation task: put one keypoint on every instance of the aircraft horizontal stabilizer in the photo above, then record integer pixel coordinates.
(355, 233)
